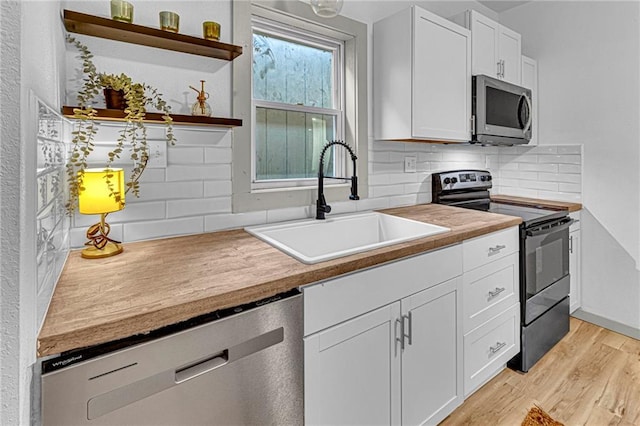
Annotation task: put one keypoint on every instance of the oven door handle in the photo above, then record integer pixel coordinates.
(550, 228)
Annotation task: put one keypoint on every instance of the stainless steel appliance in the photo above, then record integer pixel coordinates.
(501, 112)
(240, 366)
(544, 260)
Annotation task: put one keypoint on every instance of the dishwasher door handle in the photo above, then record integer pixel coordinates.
(203, 367)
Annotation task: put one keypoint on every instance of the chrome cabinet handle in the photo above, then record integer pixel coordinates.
(409, 335)
(496, 292)
(499, 63)
(497, 347)
(496, 249)
(400, 336)
(503, 68)
(571, 244)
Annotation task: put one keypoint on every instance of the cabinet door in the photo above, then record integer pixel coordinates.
(352, 371)
(484, 44)
(574, 270)
(530, 81)
(441, 93)
(432, 357)
(510, 52)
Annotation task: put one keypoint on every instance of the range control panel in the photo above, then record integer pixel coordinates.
(461, 179)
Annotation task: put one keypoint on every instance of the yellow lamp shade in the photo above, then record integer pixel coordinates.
(102, 191)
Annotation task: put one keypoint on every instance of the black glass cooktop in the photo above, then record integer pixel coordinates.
(530, 215)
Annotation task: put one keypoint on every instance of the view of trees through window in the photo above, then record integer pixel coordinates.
(296, 110)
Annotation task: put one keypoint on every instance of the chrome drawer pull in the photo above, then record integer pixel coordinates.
(496, 292)
(496, 249)
(497, 347)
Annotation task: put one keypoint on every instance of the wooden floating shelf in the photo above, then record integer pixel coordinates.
(155, 117)
(81, 23)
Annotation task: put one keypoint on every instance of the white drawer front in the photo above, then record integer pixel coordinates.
(330, 302)
(485, 249)
(489, 347)
(489, 290)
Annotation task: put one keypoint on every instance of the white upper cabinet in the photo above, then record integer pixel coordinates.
(421, 78)
(496, 49)
(530, 81)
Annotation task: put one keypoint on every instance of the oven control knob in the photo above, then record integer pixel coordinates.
(454, 180)
(446, 181)
(489, 178)
(483, 178)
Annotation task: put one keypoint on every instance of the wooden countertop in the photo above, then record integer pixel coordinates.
(536, 202)
(162, 282)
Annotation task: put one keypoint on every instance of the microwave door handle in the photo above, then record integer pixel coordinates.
(530, 108)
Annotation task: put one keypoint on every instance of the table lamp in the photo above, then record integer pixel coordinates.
(101, 192)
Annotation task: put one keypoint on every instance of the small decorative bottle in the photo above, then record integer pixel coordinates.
(201, 107)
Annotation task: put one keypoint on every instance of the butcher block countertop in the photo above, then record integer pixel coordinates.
(536, 202)
(162, 282)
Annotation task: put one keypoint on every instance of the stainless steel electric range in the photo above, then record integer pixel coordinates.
(544, 259)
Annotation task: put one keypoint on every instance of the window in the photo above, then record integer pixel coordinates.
(290, 113)
(298, 102)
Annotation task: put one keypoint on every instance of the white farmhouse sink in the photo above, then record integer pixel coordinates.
(312, 241)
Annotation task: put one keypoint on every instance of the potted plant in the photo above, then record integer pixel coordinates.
(136, 97)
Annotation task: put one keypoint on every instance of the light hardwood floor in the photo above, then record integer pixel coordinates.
(591, 377)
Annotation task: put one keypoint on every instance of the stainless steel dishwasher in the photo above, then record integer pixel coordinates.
(244, 366)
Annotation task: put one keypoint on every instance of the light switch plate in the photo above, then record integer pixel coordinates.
(157, 154)
(410, 164)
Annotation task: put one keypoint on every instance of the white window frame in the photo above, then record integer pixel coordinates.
(355, 127)
(308, 38)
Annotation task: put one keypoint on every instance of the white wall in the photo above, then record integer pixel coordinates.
(30, 36)
(588, 60)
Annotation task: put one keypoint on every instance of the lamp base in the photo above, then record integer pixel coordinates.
(111, 249)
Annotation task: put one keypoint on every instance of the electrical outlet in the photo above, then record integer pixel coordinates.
(157, 154)
(410, 164)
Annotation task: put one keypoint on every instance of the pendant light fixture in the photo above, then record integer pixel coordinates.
(326, 8)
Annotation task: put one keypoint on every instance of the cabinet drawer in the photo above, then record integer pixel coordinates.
(485, 249)
(489, 347)
(489, 290)
(330, 302)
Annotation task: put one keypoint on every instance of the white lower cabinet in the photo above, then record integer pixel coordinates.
(406, 342)
(432, 355)
(488, 347)
(575, 264)
(352, 371)
(400, 364)
(396, 364)
(490, 293)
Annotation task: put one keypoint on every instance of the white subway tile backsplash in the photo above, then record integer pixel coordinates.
(234, 220)
(544, 149)
(515, 158)
(185, 156)
(518, 192)
(394, 178)
(218, 155)
(152, 191)
(341, 207)
(387, 167)
(429, 156)
(560, 196)
(544, 186)
(402, 200)
(570, 168)
(387, 146)
(198, 207)
(386, 190)
(569, 149)
(379, 156)
(570, 187)
(163, 228)
(537, 167)
(217, 188)
(560, 159)
(292, 213)
(559, 177)
(372, 204)
(206, 172)
(516, 174)
(202, 136)
(152, 175)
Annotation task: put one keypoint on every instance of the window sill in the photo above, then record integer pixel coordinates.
(298, 188)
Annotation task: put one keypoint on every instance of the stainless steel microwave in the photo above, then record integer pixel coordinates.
(501, 112)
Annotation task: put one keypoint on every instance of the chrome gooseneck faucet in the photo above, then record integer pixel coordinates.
(321, 203)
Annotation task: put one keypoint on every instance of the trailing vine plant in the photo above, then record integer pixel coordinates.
(137, 97)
